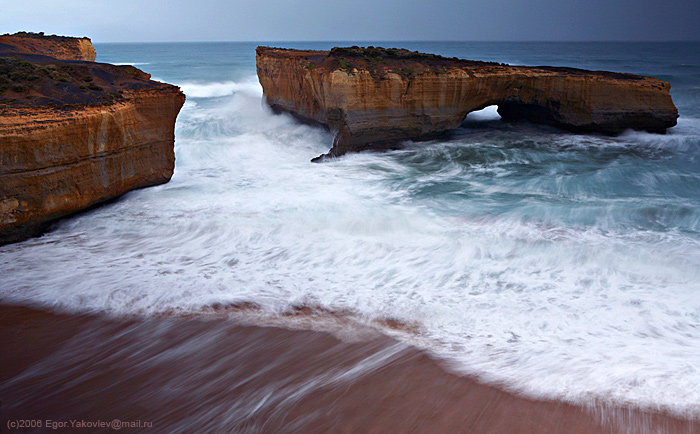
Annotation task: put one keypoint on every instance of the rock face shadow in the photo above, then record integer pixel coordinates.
(376, 98)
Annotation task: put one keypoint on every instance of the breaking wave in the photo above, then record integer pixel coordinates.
(556, 264)
(215, 90)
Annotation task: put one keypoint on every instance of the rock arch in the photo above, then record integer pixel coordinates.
(375, 104)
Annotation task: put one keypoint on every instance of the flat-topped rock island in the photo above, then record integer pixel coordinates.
(374, 98)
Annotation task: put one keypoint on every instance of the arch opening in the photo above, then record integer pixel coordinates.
(488, 113)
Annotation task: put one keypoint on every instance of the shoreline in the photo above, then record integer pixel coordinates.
(213, 375)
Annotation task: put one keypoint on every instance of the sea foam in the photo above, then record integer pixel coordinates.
(214, 90)
(508, 265)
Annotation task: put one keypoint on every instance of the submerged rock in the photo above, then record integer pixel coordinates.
(374, 98)
(76, 133)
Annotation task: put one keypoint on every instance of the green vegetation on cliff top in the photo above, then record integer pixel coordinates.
(379, 60)
(57, 83)
(18, 78)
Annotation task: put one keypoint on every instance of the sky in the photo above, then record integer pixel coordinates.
(357, 20)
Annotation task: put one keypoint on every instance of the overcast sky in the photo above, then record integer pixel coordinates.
(358, 20)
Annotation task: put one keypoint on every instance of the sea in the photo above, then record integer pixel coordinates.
(548, 263)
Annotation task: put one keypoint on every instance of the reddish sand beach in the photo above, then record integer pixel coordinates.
(178, 375)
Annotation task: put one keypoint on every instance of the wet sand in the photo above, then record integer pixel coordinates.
(216, 375)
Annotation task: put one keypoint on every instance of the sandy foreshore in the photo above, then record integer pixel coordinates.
(182, 375)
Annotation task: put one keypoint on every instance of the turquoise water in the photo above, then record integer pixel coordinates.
(557, 264)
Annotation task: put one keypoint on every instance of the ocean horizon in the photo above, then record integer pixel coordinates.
(551, 264)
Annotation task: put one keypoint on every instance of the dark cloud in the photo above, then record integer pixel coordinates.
(225, 20)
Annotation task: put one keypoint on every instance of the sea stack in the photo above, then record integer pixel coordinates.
(374, 98)
(58, 47)
(74, 133)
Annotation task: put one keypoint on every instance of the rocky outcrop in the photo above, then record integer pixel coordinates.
(58, 47)
(375, 97)
(74, 134)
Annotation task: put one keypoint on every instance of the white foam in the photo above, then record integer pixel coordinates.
(571, 312)
(683, 137)
(489, 113)
(219, 89)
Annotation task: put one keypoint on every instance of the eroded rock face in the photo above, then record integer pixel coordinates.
(74, 134)
(58, 47)
(373, 98)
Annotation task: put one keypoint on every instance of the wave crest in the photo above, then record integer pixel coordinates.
(219, 89)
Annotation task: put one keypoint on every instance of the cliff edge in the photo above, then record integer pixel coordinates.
(76, 133)
(374, 98)
(58, 47)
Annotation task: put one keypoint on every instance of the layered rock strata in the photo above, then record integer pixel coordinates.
(58, 47)
(373, 98)
(76, 133)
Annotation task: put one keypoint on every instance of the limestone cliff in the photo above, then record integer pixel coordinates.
(375, 97)
(74, 134)
(58, 47)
